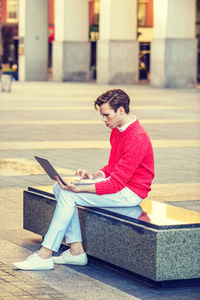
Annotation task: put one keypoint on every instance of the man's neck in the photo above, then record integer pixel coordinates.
(129, 120)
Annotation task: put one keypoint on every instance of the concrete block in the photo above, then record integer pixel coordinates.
(118, 62)
(174, 63)
(71, 61)
(160, 245)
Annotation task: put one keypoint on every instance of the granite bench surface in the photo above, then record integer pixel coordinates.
(155, 214)
(157, 241)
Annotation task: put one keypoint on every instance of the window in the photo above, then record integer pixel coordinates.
(145, 13)
(12, 10)
(141, 14)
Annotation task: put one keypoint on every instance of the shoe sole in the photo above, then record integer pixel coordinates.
(28, 269)
(68, 263)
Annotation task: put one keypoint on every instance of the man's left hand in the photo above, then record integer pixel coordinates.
(67, 186)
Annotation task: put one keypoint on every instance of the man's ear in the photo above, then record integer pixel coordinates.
(121, 110)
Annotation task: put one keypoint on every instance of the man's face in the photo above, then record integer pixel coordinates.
(109, 117)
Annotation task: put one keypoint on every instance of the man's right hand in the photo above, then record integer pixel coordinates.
(85, 174)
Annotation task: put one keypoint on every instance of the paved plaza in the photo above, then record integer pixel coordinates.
(57, 121)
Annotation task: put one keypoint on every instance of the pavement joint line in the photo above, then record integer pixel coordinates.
(97, 122)
(161, 192)
(74, 98)
(104, 144)
(152, 107)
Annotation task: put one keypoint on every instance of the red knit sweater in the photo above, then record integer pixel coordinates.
(131, 162)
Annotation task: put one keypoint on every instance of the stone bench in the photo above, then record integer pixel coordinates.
(156, 242)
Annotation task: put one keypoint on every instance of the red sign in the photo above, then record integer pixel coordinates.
(51, 34)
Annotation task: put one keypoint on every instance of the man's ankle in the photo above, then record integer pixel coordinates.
(76, 248)
(76, 252)
(44, 253)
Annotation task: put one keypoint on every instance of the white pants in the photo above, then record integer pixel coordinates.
(65, 221)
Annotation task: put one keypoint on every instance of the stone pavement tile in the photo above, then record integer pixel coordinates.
(175, 192)
(32, 290)
(11, 215)
(29, 297)
(14, 195)
(4, 295)
(23, 238)
(191, 205)
(45, 297)
(9, 278)
(17, 292)
(55, 296)
(17, 285)
(60, 296)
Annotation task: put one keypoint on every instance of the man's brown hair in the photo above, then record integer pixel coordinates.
(115, 98)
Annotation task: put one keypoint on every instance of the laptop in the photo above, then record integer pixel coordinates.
(51, 171)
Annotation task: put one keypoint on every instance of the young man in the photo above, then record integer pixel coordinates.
(124, 181)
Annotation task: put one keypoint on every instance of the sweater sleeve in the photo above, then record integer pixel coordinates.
(132, 155)
(105, 171)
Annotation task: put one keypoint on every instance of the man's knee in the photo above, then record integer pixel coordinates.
(56, 188)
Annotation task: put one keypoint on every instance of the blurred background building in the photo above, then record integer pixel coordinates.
(108, 41)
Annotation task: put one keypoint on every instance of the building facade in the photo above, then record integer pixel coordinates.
(110, 41)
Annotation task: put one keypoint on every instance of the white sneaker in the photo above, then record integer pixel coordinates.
(35, 263)
(67, 258)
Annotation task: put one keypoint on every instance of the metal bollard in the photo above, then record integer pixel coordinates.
(6, 83)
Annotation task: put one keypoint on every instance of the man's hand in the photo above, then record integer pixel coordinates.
(85, 174)
(67, 186)
(76, 189)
